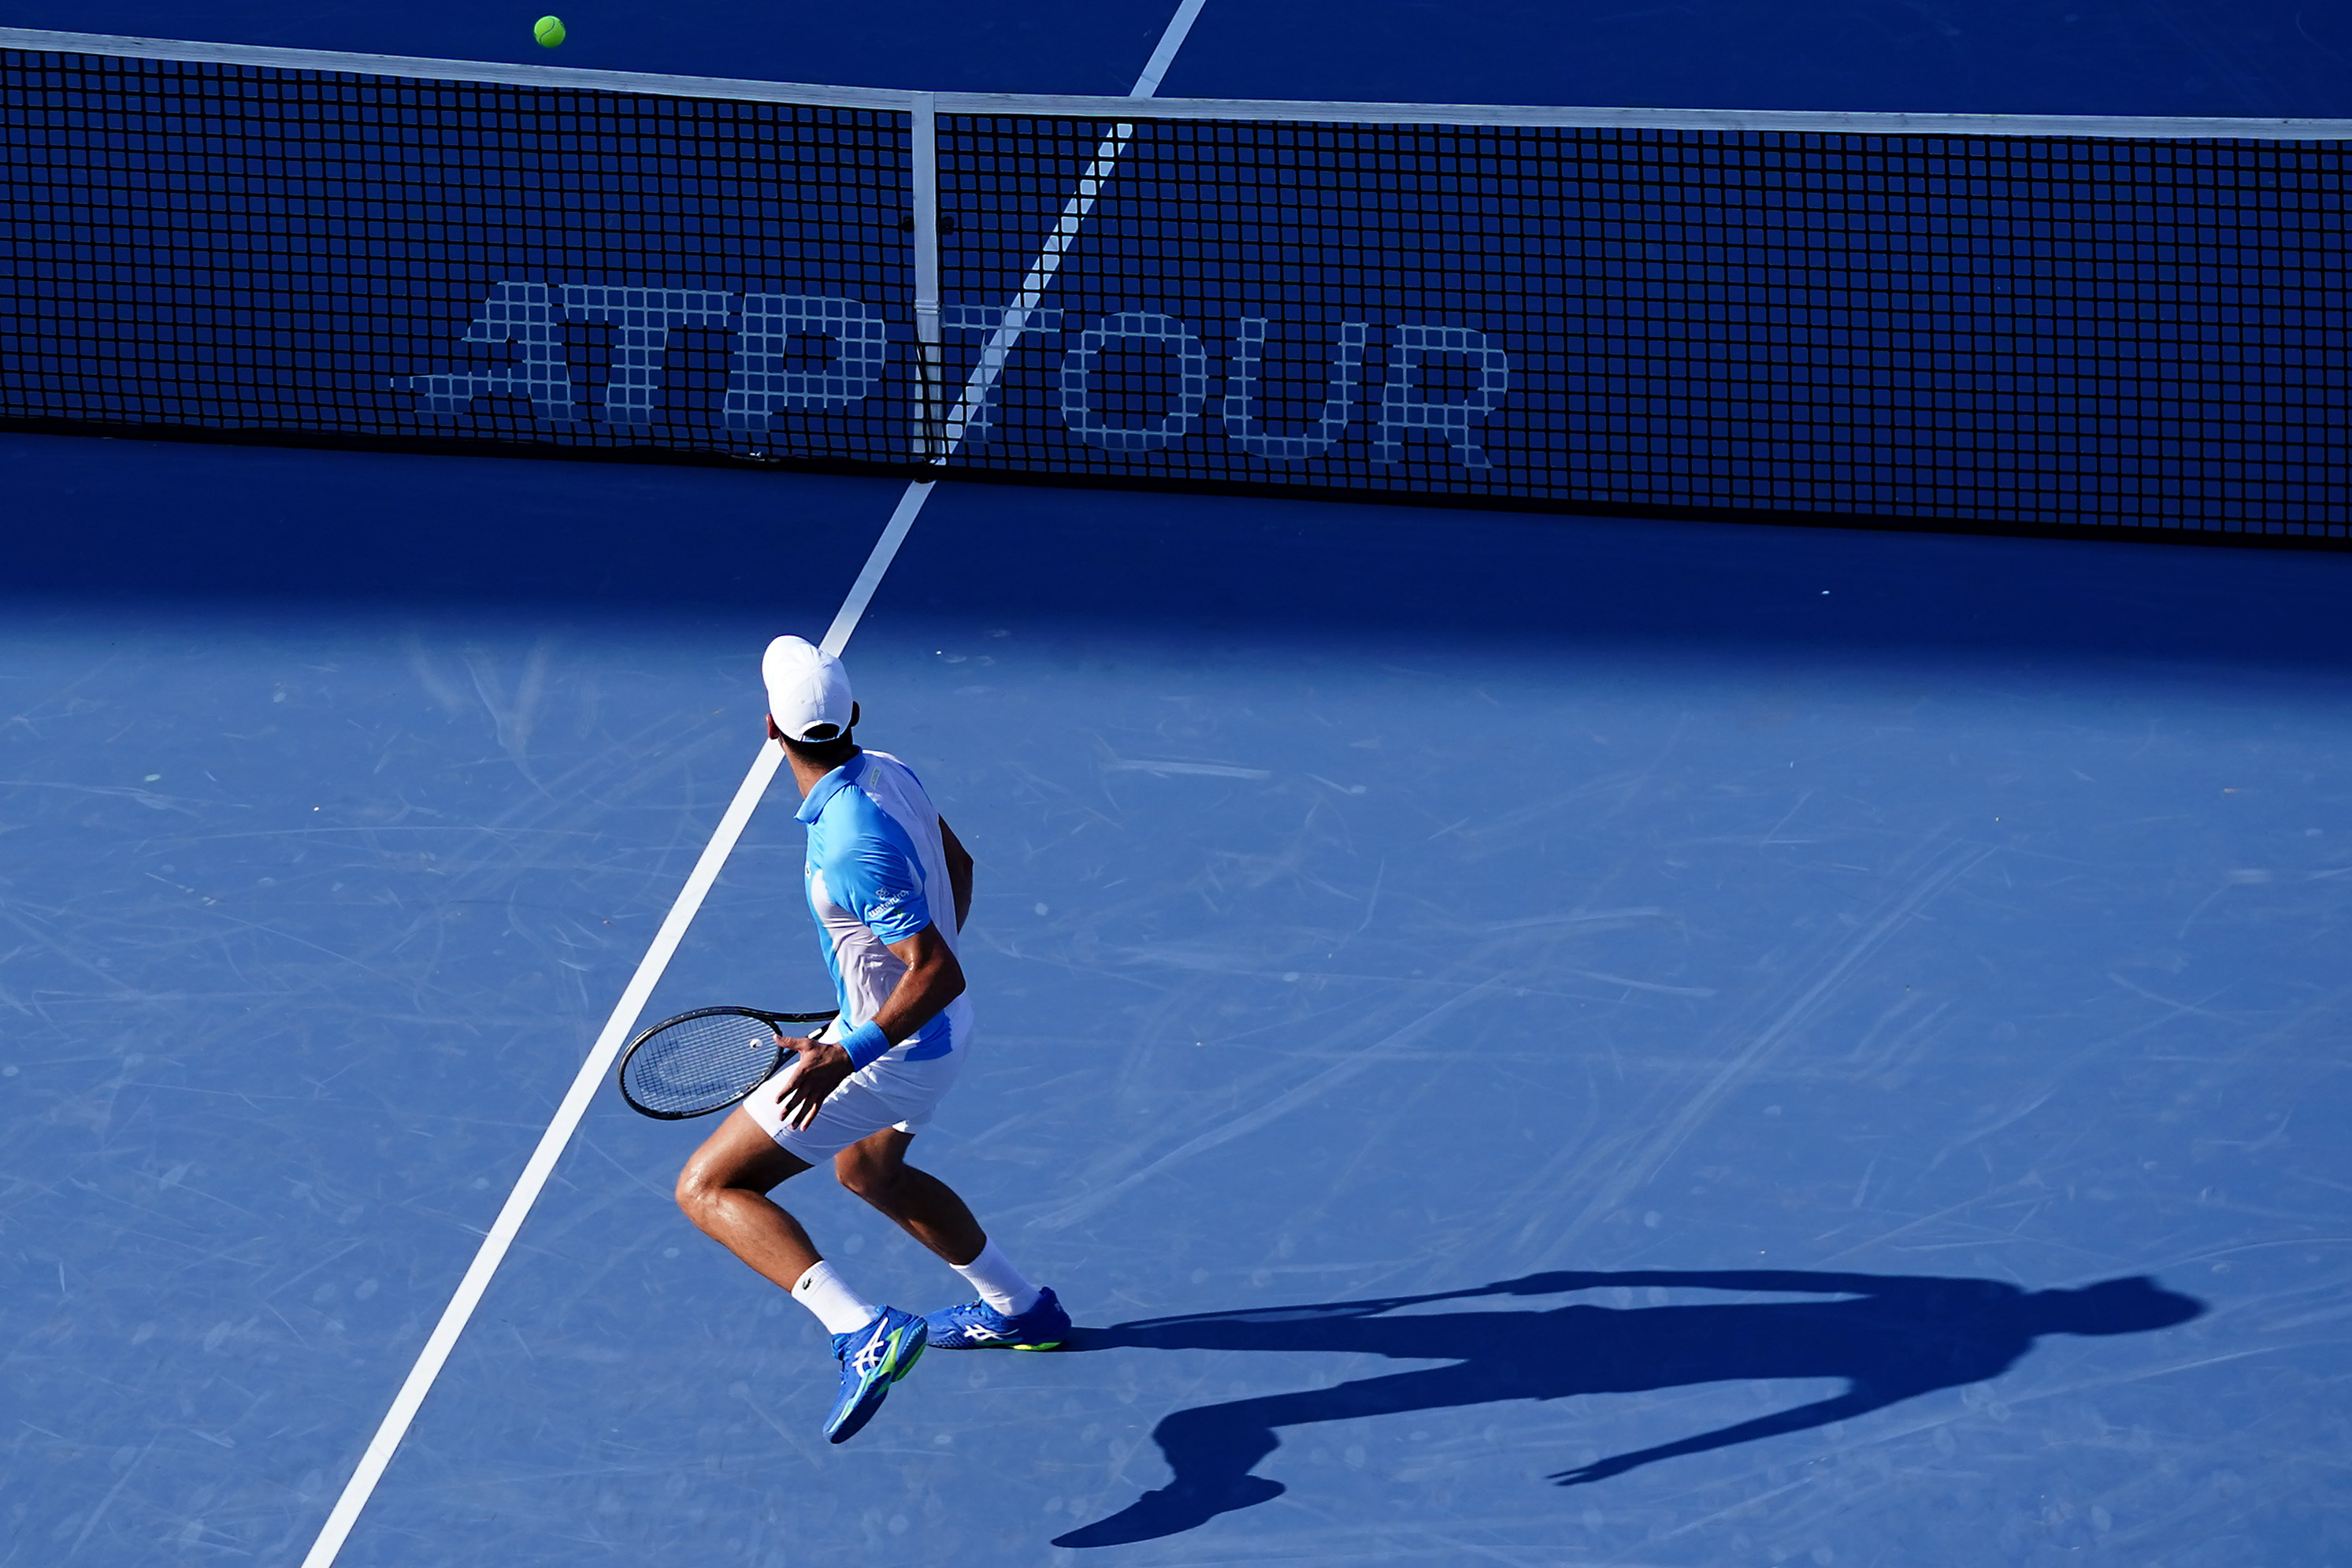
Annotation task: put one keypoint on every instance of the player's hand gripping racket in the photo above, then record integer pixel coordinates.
(705, 1060)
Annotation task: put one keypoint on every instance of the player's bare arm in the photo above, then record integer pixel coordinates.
(932, 980)
(959, 872)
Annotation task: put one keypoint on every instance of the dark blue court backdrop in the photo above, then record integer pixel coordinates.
(2078, 57)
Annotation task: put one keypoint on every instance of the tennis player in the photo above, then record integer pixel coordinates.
(889, 886)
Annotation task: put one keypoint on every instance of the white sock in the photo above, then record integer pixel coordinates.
(999, 1284)
(840, 1309)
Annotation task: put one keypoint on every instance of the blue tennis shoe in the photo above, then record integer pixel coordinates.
(872, 1359)
(976, 1326)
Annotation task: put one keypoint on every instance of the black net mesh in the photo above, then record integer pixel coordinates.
(2033, 331)
(2019, 330)
(235, 248)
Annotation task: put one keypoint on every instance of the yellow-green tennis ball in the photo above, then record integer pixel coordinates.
(548, 31)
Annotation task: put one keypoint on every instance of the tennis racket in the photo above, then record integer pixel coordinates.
(705, 1060)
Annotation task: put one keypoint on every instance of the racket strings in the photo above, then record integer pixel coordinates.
(699, 1063)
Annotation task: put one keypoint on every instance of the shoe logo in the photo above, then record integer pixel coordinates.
(869, 1357)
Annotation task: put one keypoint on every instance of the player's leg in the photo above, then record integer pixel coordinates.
(1011, 1314)
(919, 1203)
(723, 1189)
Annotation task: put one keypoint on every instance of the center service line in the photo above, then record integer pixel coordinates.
(639, 990)
(969, 409)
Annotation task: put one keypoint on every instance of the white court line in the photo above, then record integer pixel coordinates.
(1002, 342)
(1075, 212)
(541, 1166)
(861, 592)
(1179, 28)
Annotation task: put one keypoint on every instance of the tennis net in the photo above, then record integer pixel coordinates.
(1967, 321)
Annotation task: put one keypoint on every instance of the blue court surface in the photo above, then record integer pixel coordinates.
(1522, 1039)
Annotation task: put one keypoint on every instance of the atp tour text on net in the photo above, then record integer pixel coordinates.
(810, 353)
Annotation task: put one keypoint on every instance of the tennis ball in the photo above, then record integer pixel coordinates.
(548, 31)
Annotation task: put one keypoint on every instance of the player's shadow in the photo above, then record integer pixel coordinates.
(1890, 1337)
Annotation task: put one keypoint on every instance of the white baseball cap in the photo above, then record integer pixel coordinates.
(808, 691)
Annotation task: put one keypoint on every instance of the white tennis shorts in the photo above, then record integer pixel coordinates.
(885, 1093)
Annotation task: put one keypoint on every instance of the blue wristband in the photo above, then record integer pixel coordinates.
(866, 1044)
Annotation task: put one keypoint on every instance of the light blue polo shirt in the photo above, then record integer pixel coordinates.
(877, 875)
